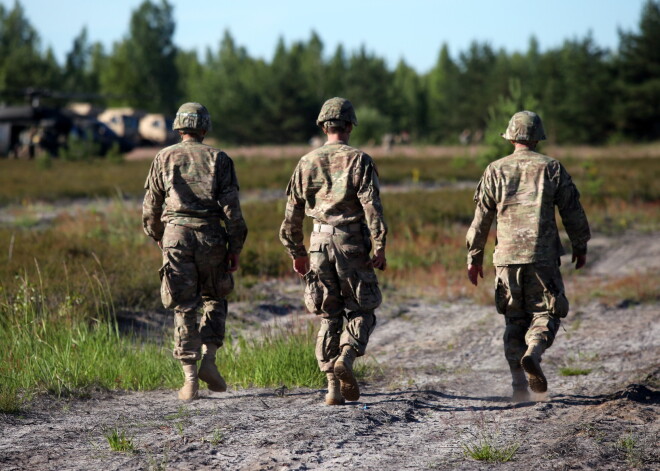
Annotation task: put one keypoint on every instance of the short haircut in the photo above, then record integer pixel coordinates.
(335, 126)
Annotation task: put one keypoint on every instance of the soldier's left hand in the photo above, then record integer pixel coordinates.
(580, 261)
(379, 261)
(232, 262)
(474, 271)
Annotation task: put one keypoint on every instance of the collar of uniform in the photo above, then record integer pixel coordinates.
(192, 140)
(342, 143)
(523, 149)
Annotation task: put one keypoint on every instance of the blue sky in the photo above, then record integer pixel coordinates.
(412, 29)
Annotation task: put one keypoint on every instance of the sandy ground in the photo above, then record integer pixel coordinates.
(442, 385)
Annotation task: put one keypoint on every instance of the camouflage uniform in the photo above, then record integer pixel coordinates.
(190, 191)
(337, 185)
(521, 192)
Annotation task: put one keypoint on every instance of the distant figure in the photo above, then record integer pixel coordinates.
(337, 185)
(521, 191)
(192, 191)
(316, 141)
(402, 138)
(464, 137)
(388, 142)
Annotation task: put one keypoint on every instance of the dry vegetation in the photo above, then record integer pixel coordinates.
(73, 256)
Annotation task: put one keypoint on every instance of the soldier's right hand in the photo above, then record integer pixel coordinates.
(379, 261)
(474, 271)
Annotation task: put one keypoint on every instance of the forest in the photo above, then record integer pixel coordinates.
(586, 94)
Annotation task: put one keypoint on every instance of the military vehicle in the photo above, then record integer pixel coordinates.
(32, 129)
(156, 129)
(138, 127)
(124, 122)
(26, 130)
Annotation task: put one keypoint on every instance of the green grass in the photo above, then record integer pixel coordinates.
(60, 354)
(603, 177)
(574, 371)
(216, 437)
(574, 364)
(635, 449)
(276, 358)
(486, 449)
(57, 332)
(48, 348)
(119, 441)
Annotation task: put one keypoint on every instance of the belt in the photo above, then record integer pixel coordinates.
(327, 228)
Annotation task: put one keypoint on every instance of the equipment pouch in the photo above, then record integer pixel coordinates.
(553, 291)
(165, 290)
(224, 284)
(367, 292)
(501, 296)
(314, 291)
(557, 304)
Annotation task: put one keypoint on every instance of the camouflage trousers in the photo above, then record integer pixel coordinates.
(195, 271)
(341, 284)
(533, 301)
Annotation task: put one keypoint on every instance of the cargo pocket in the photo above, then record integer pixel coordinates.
(165, 286)
(501, 297)
(367, 292)
(556, 304)
(224, 284)
(351, 244)
(177, 287)
(314, 291)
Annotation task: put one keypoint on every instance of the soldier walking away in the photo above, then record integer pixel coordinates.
(191, 209)
(337, 186)
(521, 192)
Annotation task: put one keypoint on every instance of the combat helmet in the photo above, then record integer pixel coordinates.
(525, 126)
(192, 117)
(338, 111)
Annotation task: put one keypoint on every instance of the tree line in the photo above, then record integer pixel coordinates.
(585, 93)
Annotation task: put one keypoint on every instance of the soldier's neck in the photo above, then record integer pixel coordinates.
(185, 137)
(520, 146)
(338, 138)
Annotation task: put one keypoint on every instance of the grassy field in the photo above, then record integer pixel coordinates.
(62, 278)
(606, 176)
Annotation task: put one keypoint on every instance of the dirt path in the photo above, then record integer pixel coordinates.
(444, 385)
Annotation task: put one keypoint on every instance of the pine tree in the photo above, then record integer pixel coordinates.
(638, 65)
(499, 115)
(142, 68)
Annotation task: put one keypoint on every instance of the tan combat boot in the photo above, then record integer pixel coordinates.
(344, 371)
(519, 384)
(531, 362)
(208, 371)
(191, 385)
(334, 397)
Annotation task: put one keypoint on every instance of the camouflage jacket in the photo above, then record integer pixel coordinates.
(191, 184)
(335, 184)
(521, 191)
